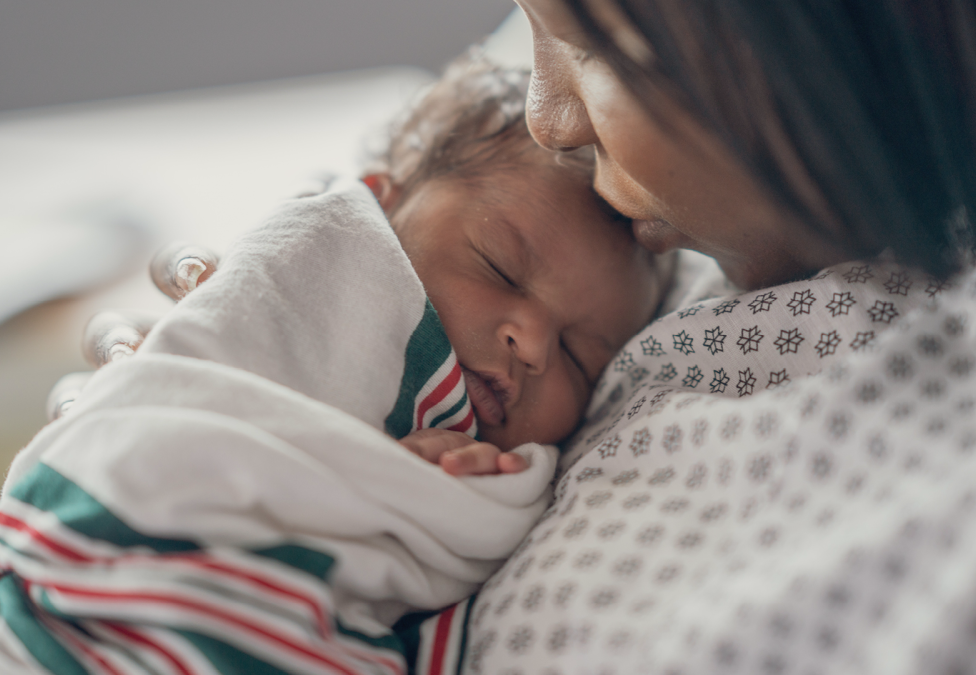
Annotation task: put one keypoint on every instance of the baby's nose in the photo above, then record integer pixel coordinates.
(531, 339)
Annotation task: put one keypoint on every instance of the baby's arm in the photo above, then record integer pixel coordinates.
(460, 455)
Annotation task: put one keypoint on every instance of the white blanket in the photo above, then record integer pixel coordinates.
(229, 498)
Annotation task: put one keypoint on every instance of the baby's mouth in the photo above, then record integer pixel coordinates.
(484, 398)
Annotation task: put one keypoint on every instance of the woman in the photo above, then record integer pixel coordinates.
(776, 137)
(824, 529)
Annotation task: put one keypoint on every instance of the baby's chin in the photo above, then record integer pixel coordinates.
(506, 437)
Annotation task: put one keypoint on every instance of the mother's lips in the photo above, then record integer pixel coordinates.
(657, 236)
(484, 399)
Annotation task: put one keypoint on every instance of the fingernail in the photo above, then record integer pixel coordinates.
(188, 271)
(63, 408)
(120, 350)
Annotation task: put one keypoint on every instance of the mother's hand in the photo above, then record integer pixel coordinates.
(112, 335)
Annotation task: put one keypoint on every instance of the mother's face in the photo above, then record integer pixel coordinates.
(679, 183)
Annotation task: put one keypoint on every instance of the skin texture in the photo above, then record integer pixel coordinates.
(537, 286)
(680, 184)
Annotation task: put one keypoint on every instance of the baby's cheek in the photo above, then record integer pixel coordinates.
(564, 402)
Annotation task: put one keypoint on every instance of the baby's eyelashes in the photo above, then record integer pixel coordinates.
(500, 271)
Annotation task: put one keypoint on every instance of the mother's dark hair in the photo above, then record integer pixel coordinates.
(875, 98)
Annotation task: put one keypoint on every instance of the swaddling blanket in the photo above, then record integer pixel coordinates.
(227, 500)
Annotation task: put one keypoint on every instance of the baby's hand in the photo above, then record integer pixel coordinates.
(460, 455)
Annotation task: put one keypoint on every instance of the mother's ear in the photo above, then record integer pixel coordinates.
(387, 192)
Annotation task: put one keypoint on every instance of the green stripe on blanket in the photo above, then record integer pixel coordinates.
(408, 631)
(227, 659)
(45, 648)
(230, 660)
(427, 350)
(463, 637)
(46, 489)
(451, 412)
(316, 563)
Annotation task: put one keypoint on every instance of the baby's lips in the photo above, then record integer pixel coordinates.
(486, 404)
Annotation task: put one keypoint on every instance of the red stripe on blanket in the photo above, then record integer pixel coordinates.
(441, 639)
(207, 611)
(197, 560)
(464, 424)
(324, 624)
(440, 391)
(141, 639)
(6, 520)
(325, 627)
(80, 646)
(191, 559)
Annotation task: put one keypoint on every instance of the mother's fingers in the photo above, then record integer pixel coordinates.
(113, 335)
(64, 393)
(180, 267)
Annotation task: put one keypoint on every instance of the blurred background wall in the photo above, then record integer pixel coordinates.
(63, 51)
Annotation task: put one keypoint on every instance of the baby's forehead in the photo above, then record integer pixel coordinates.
(554, 211)
(540, 178)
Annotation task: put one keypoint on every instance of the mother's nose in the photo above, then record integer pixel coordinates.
(556, 116)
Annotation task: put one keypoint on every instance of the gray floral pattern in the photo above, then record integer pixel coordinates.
(824, 522)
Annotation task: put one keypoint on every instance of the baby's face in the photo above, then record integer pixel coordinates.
(537, 287)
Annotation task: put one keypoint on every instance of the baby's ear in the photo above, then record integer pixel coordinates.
(387, 192)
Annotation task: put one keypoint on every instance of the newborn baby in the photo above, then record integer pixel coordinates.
(535, 279)
(229, 495)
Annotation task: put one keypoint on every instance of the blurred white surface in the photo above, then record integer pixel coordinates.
(69, 255)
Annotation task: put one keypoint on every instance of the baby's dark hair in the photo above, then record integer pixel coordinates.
(467, 124)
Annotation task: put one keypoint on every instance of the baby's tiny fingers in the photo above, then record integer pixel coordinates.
(432, 443)
(510, 462)
(64, 393)
(110, 336)
(471, 460)
(180, 267)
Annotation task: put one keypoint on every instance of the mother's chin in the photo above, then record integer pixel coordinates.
(759, 263)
